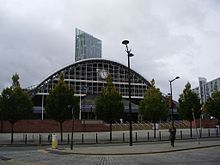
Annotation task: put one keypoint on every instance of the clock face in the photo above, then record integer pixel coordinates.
(103, 74)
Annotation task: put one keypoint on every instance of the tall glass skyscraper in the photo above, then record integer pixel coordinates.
(206, 89)
(86, 46)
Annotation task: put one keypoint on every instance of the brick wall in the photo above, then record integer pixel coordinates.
(47, 126)
(205, 123)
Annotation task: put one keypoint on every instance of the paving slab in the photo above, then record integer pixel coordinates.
(137, 148)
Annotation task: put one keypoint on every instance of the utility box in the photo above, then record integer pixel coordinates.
(54, 141)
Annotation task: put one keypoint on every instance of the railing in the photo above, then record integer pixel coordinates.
(104, 137)
(147, 125)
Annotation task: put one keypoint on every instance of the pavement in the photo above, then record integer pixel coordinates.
(137, 148)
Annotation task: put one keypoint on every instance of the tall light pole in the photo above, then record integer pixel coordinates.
(82, 87)
(171, 97)
(126, 42)
(72, 109)
(82, 103)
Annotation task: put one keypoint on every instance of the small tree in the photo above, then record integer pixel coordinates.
(189, 103)
(109, 106)
(154, 107)
(1, 116)
(58, 102)
(212, 105)
(15, 104)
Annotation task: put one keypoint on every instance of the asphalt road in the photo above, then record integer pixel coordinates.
(37, 155)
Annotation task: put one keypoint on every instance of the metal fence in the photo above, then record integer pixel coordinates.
(104, 137)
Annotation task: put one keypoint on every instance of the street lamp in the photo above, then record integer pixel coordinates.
(71, 144)
(126, 42)
(171, 97)
(82, 88)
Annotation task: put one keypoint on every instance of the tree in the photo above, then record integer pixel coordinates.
(189, 103)
(59, 101)
(109, 105)
(154, 106)
(212, 105)
(15, 103)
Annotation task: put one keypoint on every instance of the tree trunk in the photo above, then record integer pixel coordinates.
(155, 130)
(190, 129)
(61, 131)
(218, 126)
(110, 132)
(1, 125)
(12, 132)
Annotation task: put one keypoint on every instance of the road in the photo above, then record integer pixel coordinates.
(33, 155)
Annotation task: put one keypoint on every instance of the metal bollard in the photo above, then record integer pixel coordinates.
(148, 136)
(160, 135)
(40, 139)
(68, 138)
(25, 140)
(82, 138)
(33, 137)
(209, 132)
(123, 137)
(181, 135)
(49, 138)
(136, 136)
(96, 138)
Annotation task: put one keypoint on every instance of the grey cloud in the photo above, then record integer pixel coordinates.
(168, 38)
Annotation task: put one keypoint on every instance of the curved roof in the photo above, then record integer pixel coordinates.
(84, 72)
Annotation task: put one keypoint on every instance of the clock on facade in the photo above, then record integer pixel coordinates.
(103, 74)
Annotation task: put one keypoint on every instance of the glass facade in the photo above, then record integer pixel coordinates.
(89, 73)
(86, 46)
(87, 78)
(206, 89)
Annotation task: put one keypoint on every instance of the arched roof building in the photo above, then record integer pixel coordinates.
(87, 77)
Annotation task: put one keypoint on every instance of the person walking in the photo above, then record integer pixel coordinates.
(172, 131)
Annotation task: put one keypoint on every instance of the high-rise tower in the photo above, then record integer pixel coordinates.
(86, 46)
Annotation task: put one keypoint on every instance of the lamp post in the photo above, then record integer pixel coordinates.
(71, 144)
(84, 88)
(171, 97)
(126, 42)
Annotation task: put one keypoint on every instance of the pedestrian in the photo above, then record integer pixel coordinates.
(172, 131)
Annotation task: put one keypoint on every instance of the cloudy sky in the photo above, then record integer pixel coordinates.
(169, 38)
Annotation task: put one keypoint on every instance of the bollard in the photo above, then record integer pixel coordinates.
(160, 135)
(33, 137)
(209, 132)
(181, 135)
(148, 136)
(39, 138)
(54, 141)
(136, 136)
(96, 138)
(216, 132)
(25, 140)
(68, 138)
(49, 138)
(123, 137)
(82, 138)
